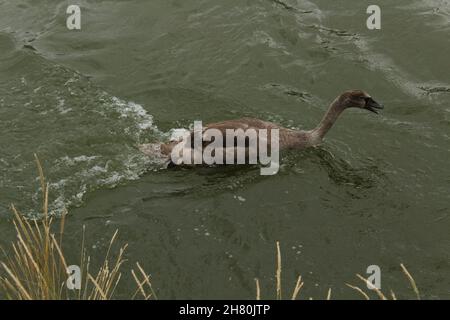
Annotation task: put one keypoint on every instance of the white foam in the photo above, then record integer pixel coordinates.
(136, 111)
(75, 160)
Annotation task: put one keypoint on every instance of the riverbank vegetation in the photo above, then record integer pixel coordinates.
(35, 266)
(279, 295)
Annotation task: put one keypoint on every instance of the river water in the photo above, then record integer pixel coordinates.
(376, 192)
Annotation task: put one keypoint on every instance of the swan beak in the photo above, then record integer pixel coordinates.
(373, 106)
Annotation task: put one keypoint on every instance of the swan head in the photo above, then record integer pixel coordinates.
(359, 99)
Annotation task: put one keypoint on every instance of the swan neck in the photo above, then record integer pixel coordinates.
(329, 119)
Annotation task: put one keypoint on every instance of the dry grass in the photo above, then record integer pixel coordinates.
(299, 284)
(35, 267)
(411, 281)
(144, 284)
(279, 296)
(380, 294)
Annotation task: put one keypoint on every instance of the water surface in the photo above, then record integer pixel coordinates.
(376, 192)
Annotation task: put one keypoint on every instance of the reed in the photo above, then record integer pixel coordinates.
(299, 284)
(279, 296)
(379, 293)
(35, 267)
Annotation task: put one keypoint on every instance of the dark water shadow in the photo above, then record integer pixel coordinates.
(198, 181)
(340, 171)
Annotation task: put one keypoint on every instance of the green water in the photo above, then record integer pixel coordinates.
(376, 192)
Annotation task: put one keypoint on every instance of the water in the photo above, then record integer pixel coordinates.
(376, 192)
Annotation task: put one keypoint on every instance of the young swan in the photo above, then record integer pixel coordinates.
(288, 138)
